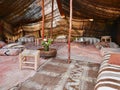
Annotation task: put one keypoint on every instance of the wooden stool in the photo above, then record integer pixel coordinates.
(106, 38)
(24, 63)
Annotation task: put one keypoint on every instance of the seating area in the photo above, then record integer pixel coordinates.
(59, 44)
(27, 38)
(11, 49)
(100, 55)
(90, 40)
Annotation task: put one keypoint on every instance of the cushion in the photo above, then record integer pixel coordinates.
(2, 43)
(108, 78)
(61, 37)
(104, 51)
(27, 39)
(11, 45)
(81, 39)
(114, 59)
(100, 45)
(113, 45)
(60, 40)
(18, 47)
(13, 52)
(2, 52)
(92, 40)
(9, 52)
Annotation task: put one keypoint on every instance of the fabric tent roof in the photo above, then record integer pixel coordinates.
(98, 9)
(18, 12)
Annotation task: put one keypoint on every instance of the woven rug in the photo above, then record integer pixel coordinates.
(82, 76)
(10, 74)
(50, 76)
(82, 53)
(56, 74)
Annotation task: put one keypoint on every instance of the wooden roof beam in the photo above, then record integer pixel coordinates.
(43, 19)
(60, 8)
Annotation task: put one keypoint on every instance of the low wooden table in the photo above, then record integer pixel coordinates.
(47, 54)
(106, 38)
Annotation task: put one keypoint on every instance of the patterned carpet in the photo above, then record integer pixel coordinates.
(82, 76)
(82, 53)
(57, 74)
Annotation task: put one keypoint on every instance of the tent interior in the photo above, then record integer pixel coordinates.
(85, 24)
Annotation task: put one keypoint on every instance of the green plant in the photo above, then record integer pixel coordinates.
(46, 43)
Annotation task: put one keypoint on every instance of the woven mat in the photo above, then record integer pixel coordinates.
(82, 76)
(57, 74)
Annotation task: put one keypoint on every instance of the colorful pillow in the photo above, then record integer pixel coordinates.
(114, 59)
(13, 52)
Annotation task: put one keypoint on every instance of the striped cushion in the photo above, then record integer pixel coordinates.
(105, 51)
(108, 78)
(109, 74)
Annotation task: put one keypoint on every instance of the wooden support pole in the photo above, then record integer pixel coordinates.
(70, 28)
(43, 19)
(51, 31)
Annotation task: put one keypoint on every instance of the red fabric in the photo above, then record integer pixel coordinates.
(114, 59)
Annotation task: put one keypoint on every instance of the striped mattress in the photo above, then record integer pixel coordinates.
(108, 76)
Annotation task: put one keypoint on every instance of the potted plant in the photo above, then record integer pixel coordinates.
(46, 43)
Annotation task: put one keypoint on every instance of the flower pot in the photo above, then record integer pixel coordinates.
(46, 48)
(47, 54)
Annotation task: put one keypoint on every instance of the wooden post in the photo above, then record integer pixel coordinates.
(52, 19)
(43, 19)
(70, 28)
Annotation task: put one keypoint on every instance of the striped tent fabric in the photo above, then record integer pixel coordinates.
(108, 75)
